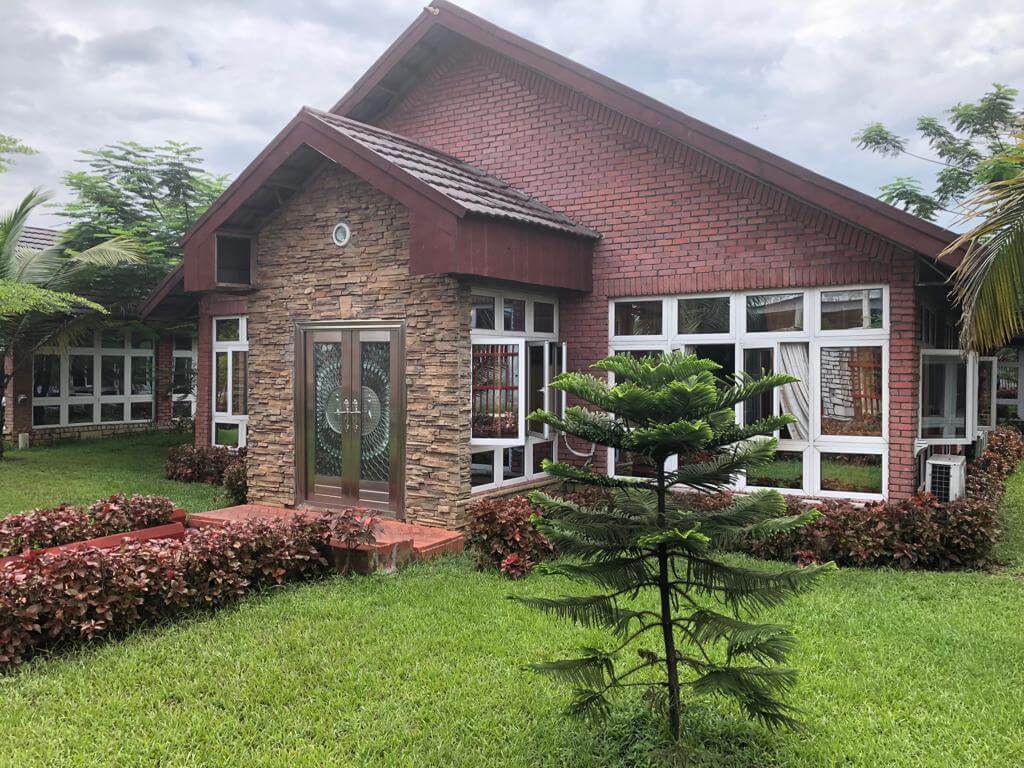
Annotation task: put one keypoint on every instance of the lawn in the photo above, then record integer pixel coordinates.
(423, 668)
(81, 472)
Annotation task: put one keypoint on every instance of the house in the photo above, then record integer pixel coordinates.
(383, 293)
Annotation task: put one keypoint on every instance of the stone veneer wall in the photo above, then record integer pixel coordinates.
(302, 276)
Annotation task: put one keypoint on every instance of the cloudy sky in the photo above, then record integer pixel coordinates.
(798, 78)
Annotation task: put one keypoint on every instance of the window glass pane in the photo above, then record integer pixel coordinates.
(228, 329)
(181, 409)
(80, 374)
(234, 261)
(142, 375)
(482, 313)
(851, 472)
(775, 312)
(543, 317)
(46, 376)
(851, 391)
(240, 383)
(515, 314)
(851, 309)
(183, 342)
(704, 315)
(225, 434)
(112, 375)
(142, 411)
(80, 413)
(513, 463)
(1006, 386)
(111, 412)
(757, 363)
(481, 468)
(45, 415)
(536, 383)
(496, 391)
(181, 376)
(220, 374)
(542, 451)
(785, 471)
(631, 464)
(985, 404)
(1006, 412)
(723, 354)
(943, 396)
(112, 340)
(638, 318)
(557, 366)
(795, 399)
(141, 340)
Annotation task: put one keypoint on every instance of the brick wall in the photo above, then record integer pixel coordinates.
(302, 276)
(673, 220)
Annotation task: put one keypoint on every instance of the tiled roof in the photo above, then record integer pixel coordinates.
(473, 189)
(38, 238)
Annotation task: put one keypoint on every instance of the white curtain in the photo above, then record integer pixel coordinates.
(794, 359)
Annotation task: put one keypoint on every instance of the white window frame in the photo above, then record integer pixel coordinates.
(97, 352)
(524, 340)
(970, 360)
(994, 363)
(242, 345)
(1017, 401)
(187, 354)
(741, 339)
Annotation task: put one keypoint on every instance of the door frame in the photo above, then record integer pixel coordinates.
(396, 489)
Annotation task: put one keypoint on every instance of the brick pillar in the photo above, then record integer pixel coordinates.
(18, 415)
(904, 351)
(204, 347)
(164, 362)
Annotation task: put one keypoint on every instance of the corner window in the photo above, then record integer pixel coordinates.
(699, 315)
(543, 317)
(482, 313)
(230, 381)
(638, 318)
(234, 260)
(943, 396)
(851, 391)
(497, 392)
(775, 313)
(844, 310)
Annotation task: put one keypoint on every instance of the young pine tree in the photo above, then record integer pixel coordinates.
(647, 540)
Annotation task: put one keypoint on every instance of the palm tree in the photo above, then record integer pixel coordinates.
(37, 306)
(989, 283)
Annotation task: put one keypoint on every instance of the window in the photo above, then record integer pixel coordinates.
(234, 260)
(775, 312)
(986, 393)
(845, 310)
(638, 318)
(183, 377)
(511, 367)
(944, 396)
(107, 379)
(230, 381)
(851, 472)
(1008, 391)
(840, 361)
(704, 315)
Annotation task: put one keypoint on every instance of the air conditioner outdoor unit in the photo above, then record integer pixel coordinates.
(945, 475)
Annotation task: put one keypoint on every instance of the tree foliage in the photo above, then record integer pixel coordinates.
(151, 195)
(646, 540)
(973, 147)
(11, 146)
(989, 282)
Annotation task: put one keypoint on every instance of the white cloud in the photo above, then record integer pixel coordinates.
(794, 77)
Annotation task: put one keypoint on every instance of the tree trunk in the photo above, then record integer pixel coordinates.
(666, 613)
(4, 379)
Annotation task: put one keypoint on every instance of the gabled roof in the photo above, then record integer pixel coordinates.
(443, 23)
(473, 189)
(38, 238)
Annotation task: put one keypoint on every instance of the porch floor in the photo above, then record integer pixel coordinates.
(396, 542)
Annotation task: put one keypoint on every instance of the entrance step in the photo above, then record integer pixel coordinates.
(396, 543)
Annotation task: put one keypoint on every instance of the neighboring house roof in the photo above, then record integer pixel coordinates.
(443, 23)
(475, 190)
(38, 238)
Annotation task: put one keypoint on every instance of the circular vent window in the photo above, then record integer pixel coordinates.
(341, 234)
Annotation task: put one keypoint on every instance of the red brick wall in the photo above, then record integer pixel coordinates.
(673, 221)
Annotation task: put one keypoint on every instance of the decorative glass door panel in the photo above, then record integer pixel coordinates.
(352, 416)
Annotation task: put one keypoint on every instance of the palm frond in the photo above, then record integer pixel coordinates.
(12, 224)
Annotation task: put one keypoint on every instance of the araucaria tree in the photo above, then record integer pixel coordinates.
(699, 632)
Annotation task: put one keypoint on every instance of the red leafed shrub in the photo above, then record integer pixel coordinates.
(236, 483)
(502, 535)
(42, 528)
(206, 464)
(54, 599)
(919, 532)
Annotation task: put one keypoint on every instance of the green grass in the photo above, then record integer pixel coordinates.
(81, 472)
(424, 668)
(1010, 550)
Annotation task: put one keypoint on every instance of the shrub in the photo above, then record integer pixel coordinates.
(235, 483)
(64, 524)
(502, 535)
(53, 599)
(919, 532)
(206, 464)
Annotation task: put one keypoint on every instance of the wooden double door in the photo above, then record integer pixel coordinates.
(350, 430)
